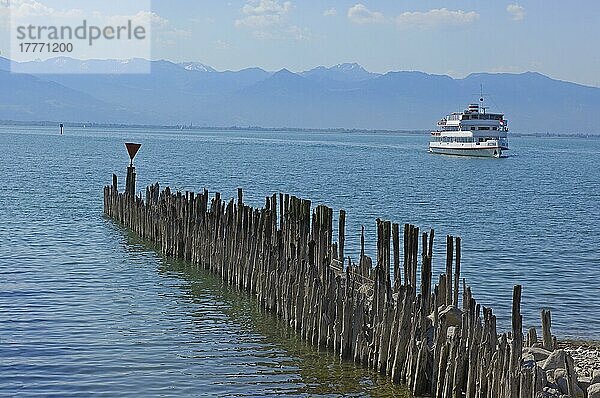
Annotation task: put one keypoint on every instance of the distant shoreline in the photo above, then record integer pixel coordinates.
(266, 129)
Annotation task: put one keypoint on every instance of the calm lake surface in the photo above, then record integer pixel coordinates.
(87, 309)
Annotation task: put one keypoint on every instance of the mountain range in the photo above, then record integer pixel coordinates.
(342, 96)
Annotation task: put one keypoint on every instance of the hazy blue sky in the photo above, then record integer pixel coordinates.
(557, 38)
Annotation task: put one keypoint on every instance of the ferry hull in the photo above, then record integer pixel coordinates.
(478, 152)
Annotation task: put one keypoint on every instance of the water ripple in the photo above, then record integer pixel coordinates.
(89, 310)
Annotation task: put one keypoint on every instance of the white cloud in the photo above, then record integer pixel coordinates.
(361, 15)
(33, 8)
(297, 32)
(517, 13)
(163, 32)
(222, 45)
(263, 14)
(435, 18)
(270, 19)
(332, 12)
(264, 7)
(147, 18)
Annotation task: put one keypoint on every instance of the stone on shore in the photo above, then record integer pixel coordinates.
(579, 393)
(555, 360)
(549, 392)
(539, 354)
(595, 376)
(587, 360)
(584, 382)
(453, 315)
(594, 391)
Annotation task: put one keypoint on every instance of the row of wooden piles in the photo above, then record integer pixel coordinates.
(384, 316)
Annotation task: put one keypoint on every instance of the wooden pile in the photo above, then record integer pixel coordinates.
(381, 315)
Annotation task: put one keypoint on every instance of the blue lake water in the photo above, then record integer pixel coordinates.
(87, 309)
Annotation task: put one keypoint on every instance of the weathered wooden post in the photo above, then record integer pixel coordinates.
(132, 149)
(342, 235)
(396, 245)
(546, 331)
(449, 255)
(240, 196)
(456, 273)
(362, 243)
(516, 347)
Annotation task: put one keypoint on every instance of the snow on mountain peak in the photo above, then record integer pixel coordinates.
(197, 66)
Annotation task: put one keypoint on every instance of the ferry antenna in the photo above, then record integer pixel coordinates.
(481, 98)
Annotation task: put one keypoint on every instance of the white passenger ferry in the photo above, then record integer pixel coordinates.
(473, 132)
